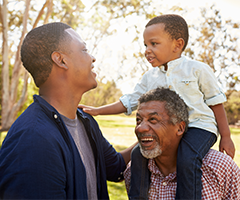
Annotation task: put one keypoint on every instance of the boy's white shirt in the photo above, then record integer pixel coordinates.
(195, 83)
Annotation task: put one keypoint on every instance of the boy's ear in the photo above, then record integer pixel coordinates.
(58, 59)
(179, 43)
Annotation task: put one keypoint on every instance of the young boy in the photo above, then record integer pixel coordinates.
(165, 38)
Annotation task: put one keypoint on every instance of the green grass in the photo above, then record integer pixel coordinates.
(119, 130)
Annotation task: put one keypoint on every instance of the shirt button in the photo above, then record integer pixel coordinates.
(164, 183)
(167, 74)
(55, 116)
(170, 87)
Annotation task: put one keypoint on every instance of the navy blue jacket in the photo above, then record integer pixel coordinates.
(39, 159)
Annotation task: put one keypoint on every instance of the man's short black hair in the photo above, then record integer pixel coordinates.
(38, 46)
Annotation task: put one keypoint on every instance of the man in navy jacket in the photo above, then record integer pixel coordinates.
(40, 158)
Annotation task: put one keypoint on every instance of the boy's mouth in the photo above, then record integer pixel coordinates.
(150, 59)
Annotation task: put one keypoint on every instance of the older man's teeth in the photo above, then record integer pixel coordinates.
(147, 139)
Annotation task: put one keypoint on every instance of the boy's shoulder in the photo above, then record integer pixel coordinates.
(194, 63)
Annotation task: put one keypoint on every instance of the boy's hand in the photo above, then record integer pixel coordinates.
(226, 144)
(89, 109)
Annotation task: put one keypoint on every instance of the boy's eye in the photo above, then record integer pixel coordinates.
(154, 43)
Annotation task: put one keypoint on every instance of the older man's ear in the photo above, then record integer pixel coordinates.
(181, 128)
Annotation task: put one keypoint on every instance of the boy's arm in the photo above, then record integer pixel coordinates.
(226, 144)
(114, 108)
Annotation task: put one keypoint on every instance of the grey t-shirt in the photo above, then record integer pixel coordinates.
(78, 132)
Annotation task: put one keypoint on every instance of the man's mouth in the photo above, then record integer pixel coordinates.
(146, 142)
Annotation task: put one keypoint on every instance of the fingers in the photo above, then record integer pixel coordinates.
(229, 152)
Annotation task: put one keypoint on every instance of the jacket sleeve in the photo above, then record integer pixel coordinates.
(31, 167)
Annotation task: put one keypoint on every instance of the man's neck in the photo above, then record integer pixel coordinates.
(63, 102)
(167, 164)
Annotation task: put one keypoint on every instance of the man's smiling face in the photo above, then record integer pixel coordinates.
(154, 131)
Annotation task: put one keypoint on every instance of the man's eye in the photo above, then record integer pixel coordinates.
(138, 120)
(153, 120)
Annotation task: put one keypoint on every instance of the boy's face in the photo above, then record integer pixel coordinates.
(160, 47)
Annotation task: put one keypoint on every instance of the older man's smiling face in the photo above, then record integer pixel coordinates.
(154, 131)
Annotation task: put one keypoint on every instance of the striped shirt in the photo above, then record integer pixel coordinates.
(220, 179)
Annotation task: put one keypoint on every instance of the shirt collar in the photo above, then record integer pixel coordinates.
(171, 64)
(153, 168)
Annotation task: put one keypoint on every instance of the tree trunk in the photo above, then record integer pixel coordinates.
(5, 66)
(10, 105)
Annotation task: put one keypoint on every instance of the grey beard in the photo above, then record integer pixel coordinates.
(151, 153)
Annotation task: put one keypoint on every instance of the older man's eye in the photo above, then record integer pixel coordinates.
(153, 120)
(138, 120)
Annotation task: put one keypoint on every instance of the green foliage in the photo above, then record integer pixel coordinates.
(105, 93)
(232, 107)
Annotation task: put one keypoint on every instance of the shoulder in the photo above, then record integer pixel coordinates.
(220, 164)
(195, 63)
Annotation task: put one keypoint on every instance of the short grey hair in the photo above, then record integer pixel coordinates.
(176, 108)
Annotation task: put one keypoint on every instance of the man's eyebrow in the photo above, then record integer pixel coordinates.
(150, 114)
(153, 113)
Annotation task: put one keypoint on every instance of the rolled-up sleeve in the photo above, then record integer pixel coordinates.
(213, 93)
(130, 101)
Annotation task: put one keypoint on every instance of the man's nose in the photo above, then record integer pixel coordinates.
(142, 127)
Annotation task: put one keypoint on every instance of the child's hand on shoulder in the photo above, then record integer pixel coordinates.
(89, 109)
(226, 145)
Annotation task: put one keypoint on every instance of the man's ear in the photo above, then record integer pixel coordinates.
(181, 128)
(58, 59)
(179, 43)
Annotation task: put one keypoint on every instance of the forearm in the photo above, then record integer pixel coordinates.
(114, 108)
(221, 119)
(127, 153)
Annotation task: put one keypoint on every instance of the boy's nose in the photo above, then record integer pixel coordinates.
(147, 51)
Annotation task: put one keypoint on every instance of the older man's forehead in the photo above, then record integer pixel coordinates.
(152, 107)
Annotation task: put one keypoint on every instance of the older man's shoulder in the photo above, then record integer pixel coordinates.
(219, 162)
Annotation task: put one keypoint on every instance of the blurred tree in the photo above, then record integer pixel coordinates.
(215, 42)
(105, 93)
(232, 106)
(10, 103)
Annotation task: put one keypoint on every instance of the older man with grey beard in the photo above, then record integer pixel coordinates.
(161, 121)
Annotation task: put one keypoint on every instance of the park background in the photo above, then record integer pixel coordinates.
(113, 31)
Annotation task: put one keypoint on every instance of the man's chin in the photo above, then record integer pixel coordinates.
(151, 153)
